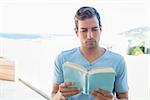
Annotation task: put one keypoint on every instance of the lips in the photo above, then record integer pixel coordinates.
(90, 41)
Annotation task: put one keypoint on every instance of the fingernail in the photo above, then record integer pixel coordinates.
(79, 89)
(72, 83)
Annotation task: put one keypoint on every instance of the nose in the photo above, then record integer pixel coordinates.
(89, 35)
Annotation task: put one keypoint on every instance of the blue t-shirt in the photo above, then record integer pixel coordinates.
(109, 58)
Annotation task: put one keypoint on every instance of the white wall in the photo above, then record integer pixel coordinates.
(138, 76)
(34, 59)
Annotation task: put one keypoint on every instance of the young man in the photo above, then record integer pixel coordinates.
(89, 54)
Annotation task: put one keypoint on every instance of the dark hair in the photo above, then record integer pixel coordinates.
(85, 13)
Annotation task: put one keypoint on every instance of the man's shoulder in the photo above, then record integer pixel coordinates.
(69, 52)
(114, 55)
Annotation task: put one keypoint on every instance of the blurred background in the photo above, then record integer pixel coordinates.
(34, 32)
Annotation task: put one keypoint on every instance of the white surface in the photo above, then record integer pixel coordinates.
(17, 91)
(138, 76)
(34, 59)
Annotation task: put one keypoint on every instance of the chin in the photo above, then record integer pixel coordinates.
(91, 47)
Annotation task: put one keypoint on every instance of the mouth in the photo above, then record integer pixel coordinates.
(90, 41)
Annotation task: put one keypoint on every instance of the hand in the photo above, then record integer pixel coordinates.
(64, 91)
(100, 94)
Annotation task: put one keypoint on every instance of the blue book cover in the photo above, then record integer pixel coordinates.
(88, 81)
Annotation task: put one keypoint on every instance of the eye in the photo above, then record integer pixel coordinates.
(84, 30)
(95, 29)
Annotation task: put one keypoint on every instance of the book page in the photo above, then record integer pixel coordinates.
(75, 66)
(100, 70)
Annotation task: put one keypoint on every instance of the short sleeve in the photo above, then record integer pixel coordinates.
(58, 72)
(121, 82)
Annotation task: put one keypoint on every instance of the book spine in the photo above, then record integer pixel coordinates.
(86, 86)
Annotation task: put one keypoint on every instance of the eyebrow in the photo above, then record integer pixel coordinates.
(94, 27)
(83, 28)
(87, 28)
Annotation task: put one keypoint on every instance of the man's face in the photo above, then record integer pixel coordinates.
(89, 32)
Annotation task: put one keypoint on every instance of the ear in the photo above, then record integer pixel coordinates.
(101, 28)
(76, 31)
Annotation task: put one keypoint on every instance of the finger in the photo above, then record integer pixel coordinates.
(62, 97)
(71, 93)
(69, 89)
(97, 95)
(103, 92)
(66, 84)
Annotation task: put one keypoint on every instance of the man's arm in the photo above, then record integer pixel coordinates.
(122, 95)
(55, 88)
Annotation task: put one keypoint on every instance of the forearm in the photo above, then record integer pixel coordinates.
(121, 96)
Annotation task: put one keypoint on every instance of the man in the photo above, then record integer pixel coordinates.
(89, 54)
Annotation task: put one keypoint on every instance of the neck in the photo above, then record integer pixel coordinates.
(92, 53)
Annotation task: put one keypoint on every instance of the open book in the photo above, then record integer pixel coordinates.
(89, 80)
